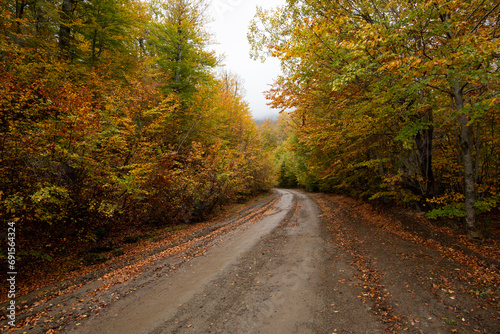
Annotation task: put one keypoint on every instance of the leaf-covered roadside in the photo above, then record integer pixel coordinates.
(415, 277)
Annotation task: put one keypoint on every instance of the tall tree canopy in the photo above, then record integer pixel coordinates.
(391, 99)
(112, 113)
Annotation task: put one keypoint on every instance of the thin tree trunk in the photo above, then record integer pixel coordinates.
(179, 146)
(20, 5)
(467, 144)
(424, 141)
(64, 28)
(94, 43)
(179, 61)
(478, 149)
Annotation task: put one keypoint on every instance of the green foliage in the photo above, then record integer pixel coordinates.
(457, 209)
(41, 255)
(487, 204)
(449, 211)
(50, 204)
(179, 42)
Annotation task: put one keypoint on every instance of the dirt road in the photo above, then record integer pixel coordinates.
(265, 277)
(291, 264)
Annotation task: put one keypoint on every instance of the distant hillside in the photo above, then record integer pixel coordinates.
(260, 121)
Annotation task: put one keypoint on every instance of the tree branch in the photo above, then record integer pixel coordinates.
(484, 17)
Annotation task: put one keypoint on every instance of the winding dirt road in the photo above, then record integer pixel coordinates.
(282, 266)
(266, 276)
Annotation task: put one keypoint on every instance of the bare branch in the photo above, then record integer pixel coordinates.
(484, 17)
(474, 11)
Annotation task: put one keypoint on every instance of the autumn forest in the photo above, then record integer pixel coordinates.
(112, 113)
(393, 100)
(115, 112)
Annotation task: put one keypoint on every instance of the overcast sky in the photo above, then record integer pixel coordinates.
(230, 28)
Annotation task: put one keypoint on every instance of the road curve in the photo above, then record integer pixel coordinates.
(267, 276)
(275, 267)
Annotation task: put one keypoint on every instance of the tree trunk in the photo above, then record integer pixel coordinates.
(94, 46)
(178, 60)
(467, 144)
(424, 141)
(64, 28)
(20, 5)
